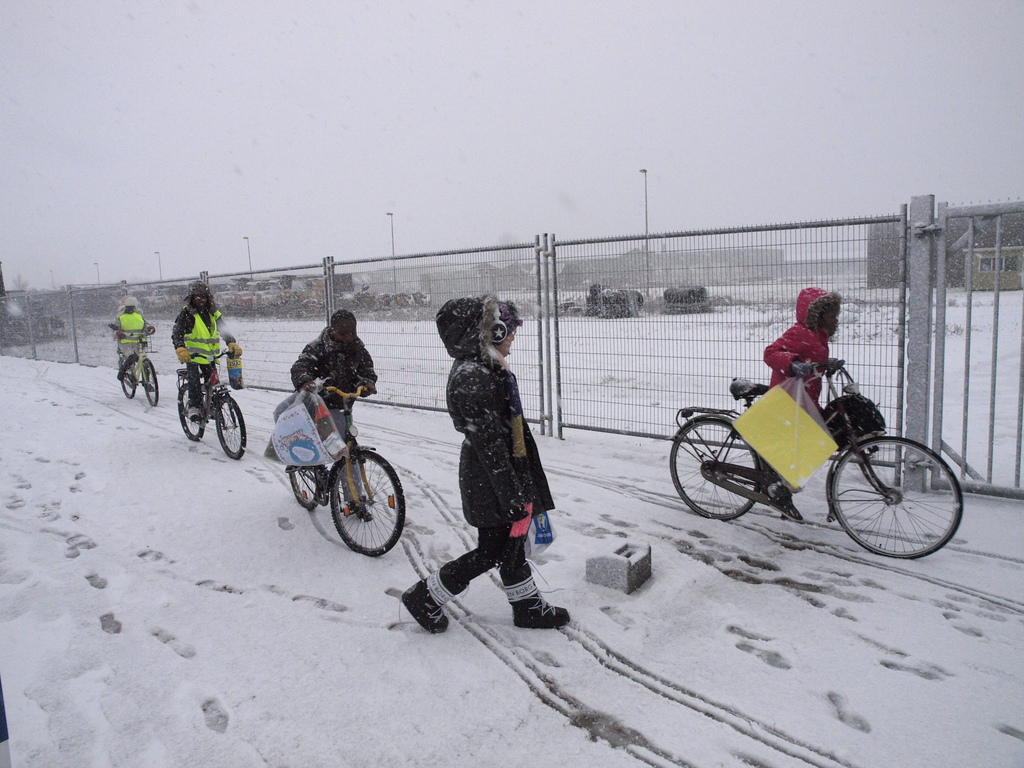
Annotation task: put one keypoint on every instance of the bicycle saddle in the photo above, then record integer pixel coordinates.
(745, 388)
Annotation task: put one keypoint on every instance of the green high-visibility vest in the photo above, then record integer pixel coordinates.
(131, 327)
(203, 343)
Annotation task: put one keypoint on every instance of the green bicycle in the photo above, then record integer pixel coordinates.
(141, 371)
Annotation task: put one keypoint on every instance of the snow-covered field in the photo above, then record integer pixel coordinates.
(164, 606)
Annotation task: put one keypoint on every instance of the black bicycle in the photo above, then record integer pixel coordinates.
(362, 488)
(893, 496)
(217, 404)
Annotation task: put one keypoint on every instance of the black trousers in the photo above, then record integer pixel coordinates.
(494, 548)
(198, 374)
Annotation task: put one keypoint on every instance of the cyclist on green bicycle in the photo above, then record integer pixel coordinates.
(130, 329)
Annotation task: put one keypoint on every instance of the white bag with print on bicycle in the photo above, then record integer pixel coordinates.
(304, 431)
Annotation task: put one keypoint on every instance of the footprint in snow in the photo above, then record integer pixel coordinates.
(109, 624)
(285, 524)
(846, 717)
(96, 581)
(261, 476)
(215, 716)
(184, 650)
(76, 544)
(320, 602)
(1009, 730)
(15, 503)
(218, 587)
(153, 556)
(924, 671)
(771, 658)
(746, 634)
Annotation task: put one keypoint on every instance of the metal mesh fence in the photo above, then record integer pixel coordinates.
(650, 324)
(621, 332)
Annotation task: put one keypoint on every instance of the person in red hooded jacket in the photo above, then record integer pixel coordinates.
(806, 342)
(794, 354)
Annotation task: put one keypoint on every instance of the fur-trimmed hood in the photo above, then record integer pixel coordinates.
(465, 326)
(812, 304)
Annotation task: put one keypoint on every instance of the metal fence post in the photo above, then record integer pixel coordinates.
(919, 316)
(31, 330)
(74, 328)
(328, 288)
(542, 378)
(938, 390)
(556, 367)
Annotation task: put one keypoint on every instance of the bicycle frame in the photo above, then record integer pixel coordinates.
(212, 386)
(351, 446)
(730, 476)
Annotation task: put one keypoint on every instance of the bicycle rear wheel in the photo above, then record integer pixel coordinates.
(709, 439)
(230, 428)
(193, 429)
(149, 382)
(371, 522)
(895, 497)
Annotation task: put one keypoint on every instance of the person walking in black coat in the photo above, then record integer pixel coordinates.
(500, 474)
(338, 357)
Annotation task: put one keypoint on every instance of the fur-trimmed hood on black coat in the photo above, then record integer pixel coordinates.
(494, 484)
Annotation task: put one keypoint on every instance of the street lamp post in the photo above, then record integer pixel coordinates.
(97, 265)
(394, 268)
(647, 242)
(247, 250)
(159, 265)
(52, 284)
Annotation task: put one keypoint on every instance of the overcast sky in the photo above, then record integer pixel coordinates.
(128, 128)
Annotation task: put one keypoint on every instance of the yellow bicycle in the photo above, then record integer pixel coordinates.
(362, 489)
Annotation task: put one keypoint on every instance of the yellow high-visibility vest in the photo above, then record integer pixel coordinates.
(132, 326)
(203, 343)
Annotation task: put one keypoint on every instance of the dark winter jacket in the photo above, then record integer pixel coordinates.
(494, 483)
(805, 341)
(344, 366)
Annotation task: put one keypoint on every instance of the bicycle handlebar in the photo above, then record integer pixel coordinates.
(360, 391)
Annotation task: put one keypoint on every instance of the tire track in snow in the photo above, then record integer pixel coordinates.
(604, 660)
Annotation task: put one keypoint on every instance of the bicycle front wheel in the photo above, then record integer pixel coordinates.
(231, 428)
(708, 440)
(149, 382)
(895, 497)
(371, 520)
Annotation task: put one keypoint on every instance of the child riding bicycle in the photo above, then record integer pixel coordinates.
(794, 355)
(337, 358)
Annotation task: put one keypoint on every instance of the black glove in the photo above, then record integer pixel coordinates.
(799, 369)
(834, 364)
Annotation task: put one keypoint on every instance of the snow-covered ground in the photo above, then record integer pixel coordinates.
(164, 606)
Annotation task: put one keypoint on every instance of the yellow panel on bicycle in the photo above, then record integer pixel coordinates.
(786, 436)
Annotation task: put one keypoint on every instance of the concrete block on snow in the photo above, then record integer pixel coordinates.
(625, 568)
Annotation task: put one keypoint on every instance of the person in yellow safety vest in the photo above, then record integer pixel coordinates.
(196, 340)
(131, 329)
